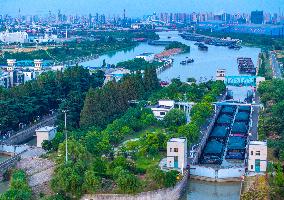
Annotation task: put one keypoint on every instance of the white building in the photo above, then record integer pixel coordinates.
(115, 74)
(38, 64)
(45, 133)
(257, 158)
(28, 76)
(163, 107)
(149, 57)
(177, 153)
(7, 37)
(135, 26)
(11, 63)
(220, 75)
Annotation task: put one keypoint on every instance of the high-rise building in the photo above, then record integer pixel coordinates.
(256, 17)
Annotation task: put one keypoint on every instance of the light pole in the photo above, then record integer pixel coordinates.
(65, 130)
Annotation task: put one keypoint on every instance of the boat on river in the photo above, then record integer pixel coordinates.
(234, 46)
(183, 62)
(202, 47)
(187, 61)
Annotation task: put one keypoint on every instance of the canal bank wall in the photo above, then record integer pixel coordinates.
(216, 175)
(173, 193)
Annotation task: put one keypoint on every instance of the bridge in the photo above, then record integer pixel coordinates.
(235, 103)
(29, 132)
(240, 80)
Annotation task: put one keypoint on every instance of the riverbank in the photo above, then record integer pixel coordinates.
(84, 48)
(249, 40)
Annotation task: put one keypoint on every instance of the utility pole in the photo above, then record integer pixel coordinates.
(65, 130)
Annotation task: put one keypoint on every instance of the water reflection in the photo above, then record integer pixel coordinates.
(201, 190)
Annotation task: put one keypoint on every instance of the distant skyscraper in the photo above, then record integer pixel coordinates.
(256, 17)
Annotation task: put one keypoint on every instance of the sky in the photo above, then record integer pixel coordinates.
(137, 8)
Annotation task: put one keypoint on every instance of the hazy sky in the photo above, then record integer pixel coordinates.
(137, 7)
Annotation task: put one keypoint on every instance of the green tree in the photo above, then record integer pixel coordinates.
(92, 183)
(174, 117)
(97, 143)
(19, 188)
(170, 179)
(151, 80)
(76, 152)
(68, 179)
(128, 183)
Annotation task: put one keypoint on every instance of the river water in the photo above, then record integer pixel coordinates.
(205, 63)
(200, 190)
(204, 67)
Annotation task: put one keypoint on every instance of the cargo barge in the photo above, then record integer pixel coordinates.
(210, 40)
(246, 66)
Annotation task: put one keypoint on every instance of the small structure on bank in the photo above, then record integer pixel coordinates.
(163, 107)
(177, 153)
(220, 75)
(45, 133)
(115, 74)
(257, 159)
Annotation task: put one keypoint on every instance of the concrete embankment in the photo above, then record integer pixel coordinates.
(162, 194)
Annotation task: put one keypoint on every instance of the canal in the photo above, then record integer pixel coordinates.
(204, 68)
(205, 62)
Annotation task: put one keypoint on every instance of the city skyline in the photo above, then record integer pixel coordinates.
(136, 8)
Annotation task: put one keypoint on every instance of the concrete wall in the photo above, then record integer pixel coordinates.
(231, 173)
(216, 174)
(163, 194)
(196, 170)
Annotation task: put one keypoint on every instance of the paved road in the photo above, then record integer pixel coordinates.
(255, 115)
(275, 66)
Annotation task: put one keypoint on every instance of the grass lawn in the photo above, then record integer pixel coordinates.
(143, 132)
(147, 162)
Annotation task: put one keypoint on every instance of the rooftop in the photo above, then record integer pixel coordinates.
(45, 129)
(177, 140)
(258, 143)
